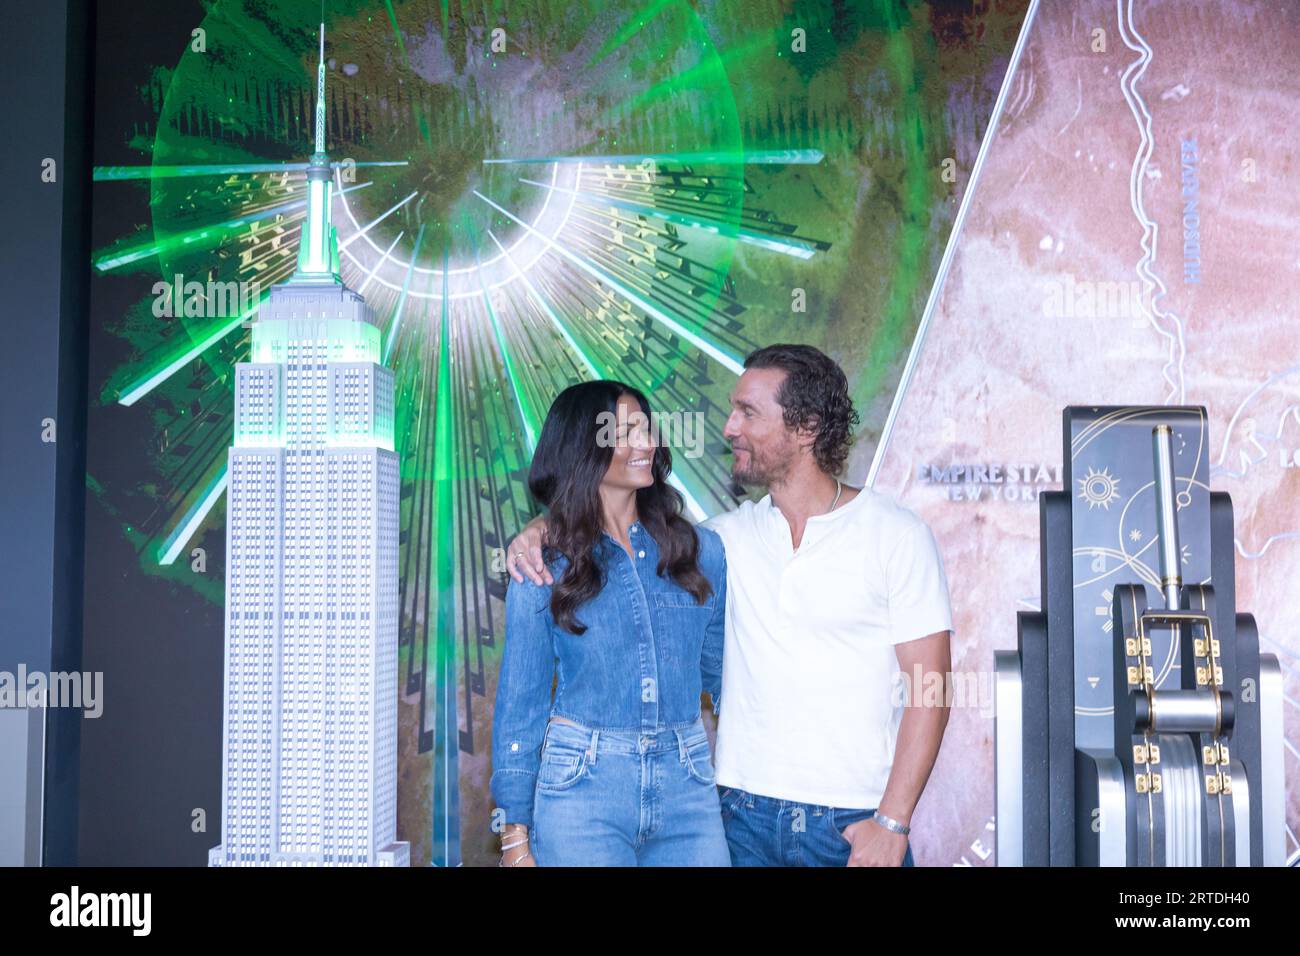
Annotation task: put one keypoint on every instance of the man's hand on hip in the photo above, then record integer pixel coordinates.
(873, 845)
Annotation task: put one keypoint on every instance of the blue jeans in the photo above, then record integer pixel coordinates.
(765, 831)
(624, 799)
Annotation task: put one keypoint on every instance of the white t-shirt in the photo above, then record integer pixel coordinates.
(810, 709)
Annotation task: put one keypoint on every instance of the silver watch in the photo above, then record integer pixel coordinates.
(891, 824)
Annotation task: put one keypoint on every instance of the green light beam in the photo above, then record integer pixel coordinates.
(382, 260)
(527, 413)
(103, 174)
(108, 261)
(635, 24)
(760, 43)
(401, 299)
(762, 157)
(546, 308)
(720, 355)
(799, 248)
(189, 523)
(401, 47)
(357, 235)
(593, 370)
(444, 638)
(910, 264)
(149, 382)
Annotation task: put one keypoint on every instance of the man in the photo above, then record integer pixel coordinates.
(835, 594)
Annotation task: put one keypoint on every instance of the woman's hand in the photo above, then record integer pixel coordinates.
(516, 849)
(519, 856)
(524, 554)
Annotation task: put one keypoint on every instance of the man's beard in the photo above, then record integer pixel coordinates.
(757, 472)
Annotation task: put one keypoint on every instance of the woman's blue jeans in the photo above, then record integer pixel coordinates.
(625, 799)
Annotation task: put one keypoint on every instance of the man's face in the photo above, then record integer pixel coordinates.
(763, 448)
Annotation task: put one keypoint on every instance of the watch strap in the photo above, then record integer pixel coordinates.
(890, 824)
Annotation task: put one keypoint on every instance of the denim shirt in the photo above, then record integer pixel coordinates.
(648, 651)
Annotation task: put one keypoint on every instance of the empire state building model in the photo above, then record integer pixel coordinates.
(309, 748)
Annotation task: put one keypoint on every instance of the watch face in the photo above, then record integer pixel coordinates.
(1111, 479)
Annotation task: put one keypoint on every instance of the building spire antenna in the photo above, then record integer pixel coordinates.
(320, 89)
(318, 251)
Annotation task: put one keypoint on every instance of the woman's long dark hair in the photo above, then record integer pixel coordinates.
(568, 467)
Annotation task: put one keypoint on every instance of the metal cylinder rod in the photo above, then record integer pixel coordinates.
(1171, 574)
(1185, 711)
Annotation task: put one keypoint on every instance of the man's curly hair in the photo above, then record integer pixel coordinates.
(815, 394)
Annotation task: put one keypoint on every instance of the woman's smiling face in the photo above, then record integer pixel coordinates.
(632, 464)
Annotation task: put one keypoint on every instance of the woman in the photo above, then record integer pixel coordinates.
(616, 771)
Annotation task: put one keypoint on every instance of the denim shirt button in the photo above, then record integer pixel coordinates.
(640, 554)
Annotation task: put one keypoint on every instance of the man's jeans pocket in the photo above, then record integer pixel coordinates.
(840, 818)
